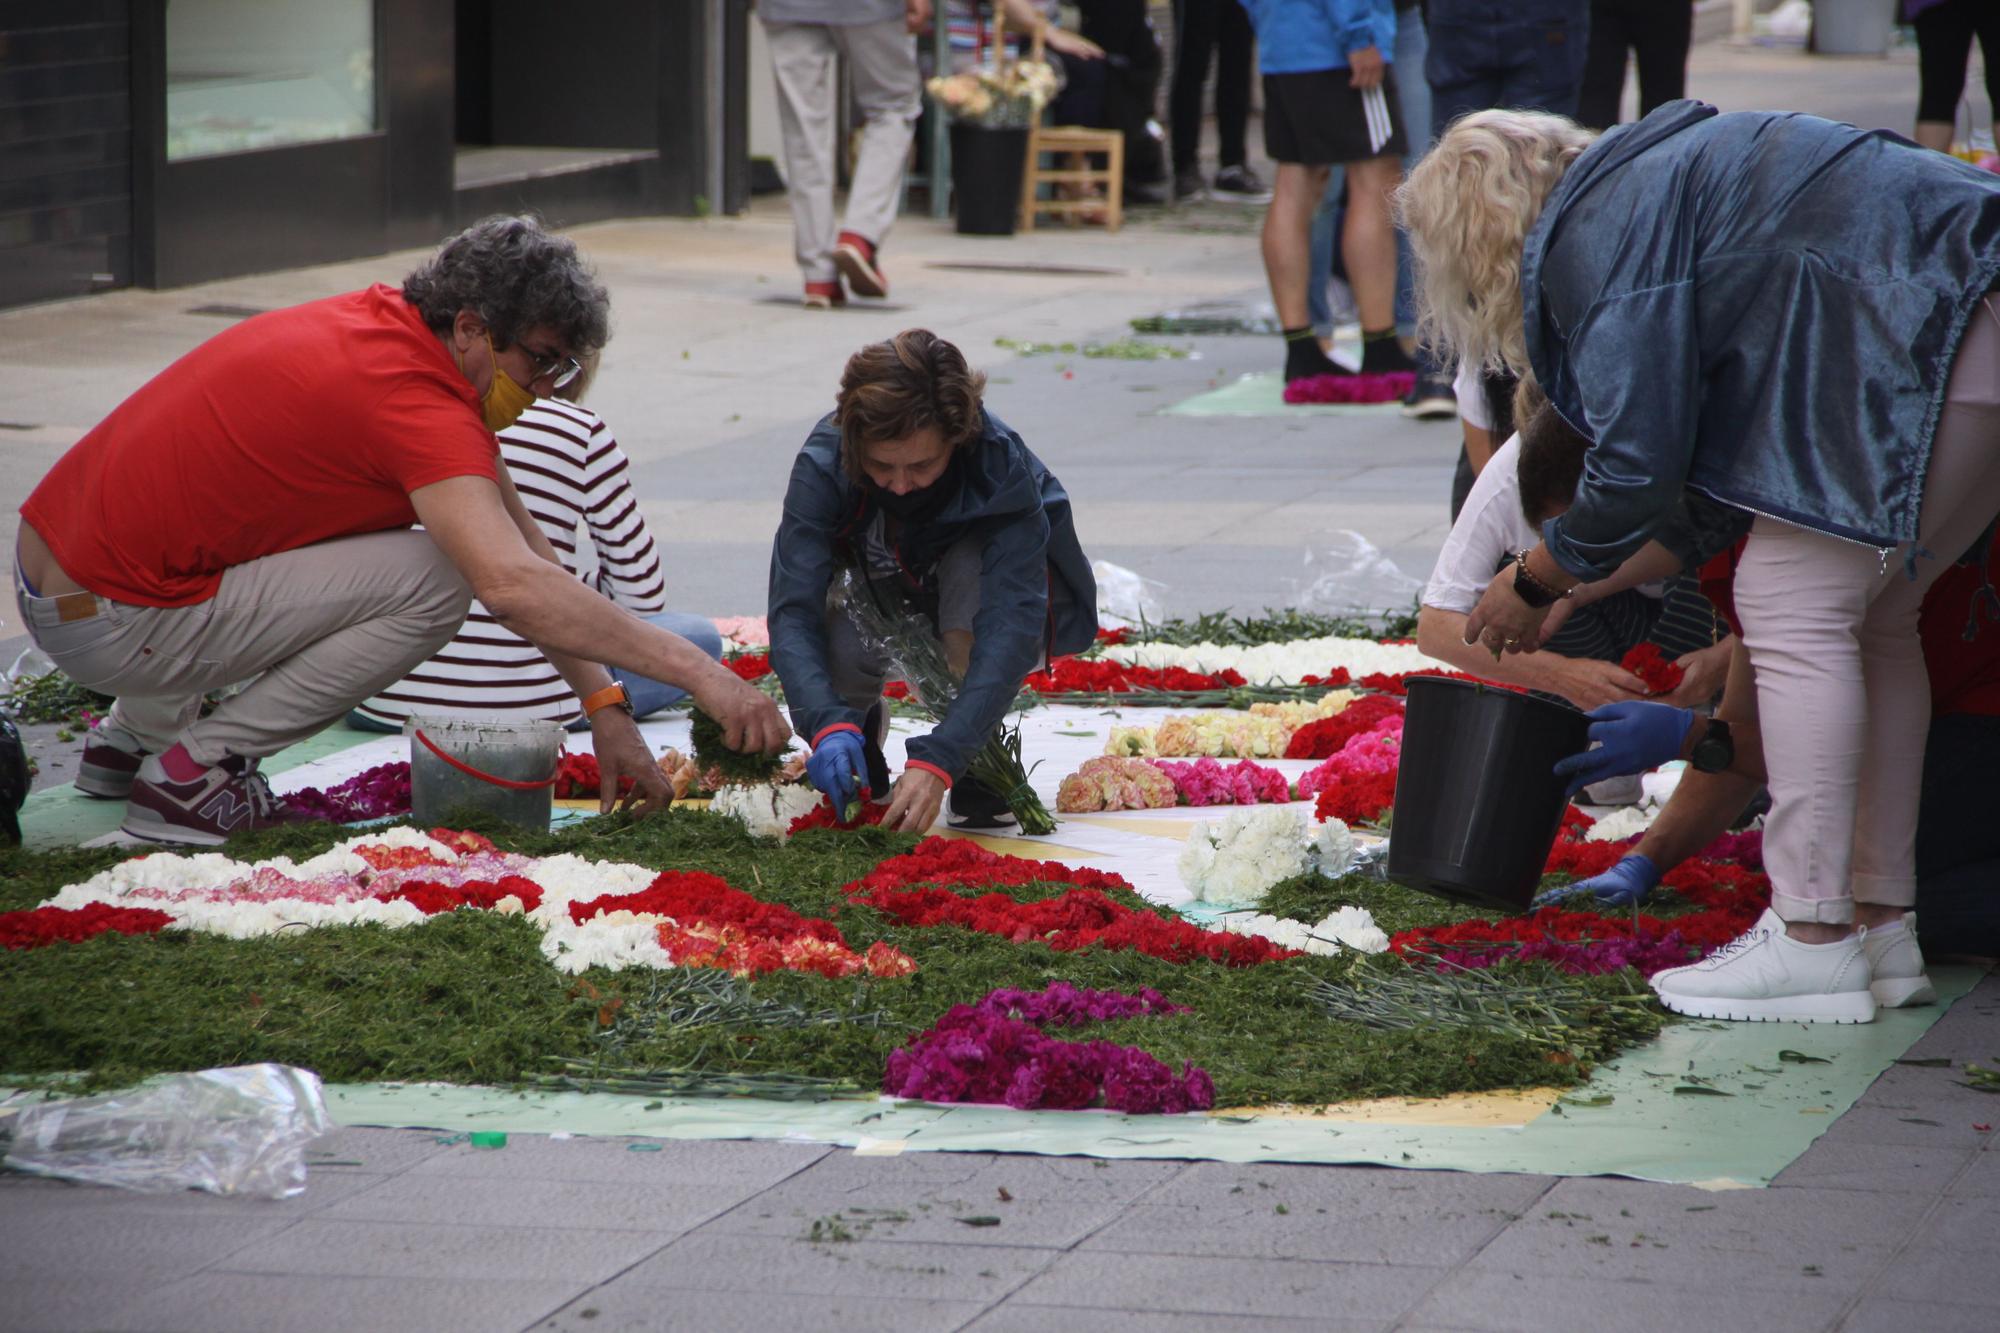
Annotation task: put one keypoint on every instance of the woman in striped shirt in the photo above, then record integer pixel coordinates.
(573, 476)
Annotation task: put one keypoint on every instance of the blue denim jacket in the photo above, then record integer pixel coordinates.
(1036, 592)
(1763, 307)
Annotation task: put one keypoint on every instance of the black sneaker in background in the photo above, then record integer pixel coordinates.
(974, 805)
(1188, 185)
(1240, 185)
(1431, 398)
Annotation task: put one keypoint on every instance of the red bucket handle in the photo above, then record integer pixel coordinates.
(470, 771)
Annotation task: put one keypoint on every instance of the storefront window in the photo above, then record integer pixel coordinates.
(258, 74)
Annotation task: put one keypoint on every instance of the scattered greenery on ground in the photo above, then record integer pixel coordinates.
(712, 751)
(469, 998)
(1119, 349)
(1311, 897)
(53, 697)
(1274, 626)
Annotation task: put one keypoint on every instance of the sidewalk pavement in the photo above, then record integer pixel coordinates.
(714, 377)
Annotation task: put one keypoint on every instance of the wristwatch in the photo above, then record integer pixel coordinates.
(613, 695)
(1715, 751)
(1530, 589)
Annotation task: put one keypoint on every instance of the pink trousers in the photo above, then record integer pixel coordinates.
(1844, 701)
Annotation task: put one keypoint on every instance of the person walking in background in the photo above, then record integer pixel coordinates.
(1483, 54)
(807, 37)
(1330, 99)
(1945, 29)
(1657, 33)
(1219, 29)
(571, 474)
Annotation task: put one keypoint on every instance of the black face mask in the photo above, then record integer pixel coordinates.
(919, 505)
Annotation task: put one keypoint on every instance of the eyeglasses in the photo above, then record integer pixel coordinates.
(560, 371)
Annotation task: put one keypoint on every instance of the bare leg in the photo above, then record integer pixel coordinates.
(1368, 240)
(1288, 239)
(1934, 134)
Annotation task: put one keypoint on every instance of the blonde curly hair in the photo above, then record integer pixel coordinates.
(1468, 207)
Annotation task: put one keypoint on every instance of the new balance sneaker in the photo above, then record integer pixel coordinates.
(974, 805)
(1431, 398)
(1766, 976)
(1896, 965)
(1240, 185)
(825, 295)
(204, 811)
(855, 256)
(111, 759)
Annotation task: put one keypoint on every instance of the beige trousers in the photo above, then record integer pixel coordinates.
(1842, 694)
(315, 631)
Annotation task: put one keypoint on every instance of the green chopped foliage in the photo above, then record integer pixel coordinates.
(53, 697)
(712, 751)
(1119, 349)
(469, 998)
(1274, 626)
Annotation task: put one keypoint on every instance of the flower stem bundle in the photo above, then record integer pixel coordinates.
(907, 638)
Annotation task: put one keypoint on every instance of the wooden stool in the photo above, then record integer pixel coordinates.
(1068, 139)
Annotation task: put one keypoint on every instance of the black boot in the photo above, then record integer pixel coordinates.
(974, 805)
(874, 727)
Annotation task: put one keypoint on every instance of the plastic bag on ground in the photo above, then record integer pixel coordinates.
(1349, 576)
(1125, 597)
(241, 1130)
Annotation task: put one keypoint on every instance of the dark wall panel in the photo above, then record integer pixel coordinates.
(591, 88)
(259, 211)
(417, 73)
(65, 149)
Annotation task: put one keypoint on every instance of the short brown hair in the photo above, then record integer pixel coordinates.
(1551, 463)
(891, 390)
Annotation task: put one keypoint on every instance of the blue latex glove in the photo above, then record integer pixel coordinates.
(838, 767)
(1624, 884)
(1632, 737)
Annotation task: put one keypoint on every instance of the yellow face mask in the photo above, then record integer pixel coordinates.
(505, 401)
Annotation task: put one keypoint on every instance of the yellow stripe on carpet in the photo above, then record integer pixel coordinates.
(1511, 1107)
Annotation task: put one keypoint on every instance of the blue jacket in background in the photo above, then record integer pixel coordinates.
(1036, 593)
(1762, 306)
(1299, 36)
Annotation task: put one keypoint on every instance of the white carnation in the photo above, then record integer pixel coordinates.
(1349, 927)
(1278, 663)
(1238, 860)
(766, 811)
(1333, 844)
(1623, 822)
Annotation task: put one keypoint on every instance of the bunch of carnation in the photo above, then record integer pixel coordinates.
(1107, 782)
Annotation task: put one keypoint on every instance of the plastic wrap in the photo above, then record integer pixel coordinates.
(241, 1130)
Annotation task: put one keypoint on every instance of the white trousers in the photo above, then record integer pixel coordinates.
(1842, 694)
(882, 69)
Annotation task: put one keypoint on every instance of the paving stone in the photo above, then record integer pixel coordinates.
(332, 1248)
(42, 1233)
(708, 1261)
(1919, 1126)
(1969, 1224)
(635, 1307)
(1196, 1285)
(1784, 1239)
(1351, 1188)
(1983, 1176)
(1927, 1274)
(538, 1157)
(1894, 1167)
(1051, 1202)
(324, 1188)
(1015, 1317)
(660, 1206)
(376, 1149)
(298, 1303)
(1255, 1229)
(1884, 1315)
(60, 1304)
(1938, 1094)
(1512, 1303)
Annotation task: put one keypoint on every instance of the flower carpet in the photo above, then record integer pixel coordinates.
(1146, 981)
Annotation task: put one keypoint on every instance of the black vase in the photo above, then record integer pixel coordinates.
(986, 166)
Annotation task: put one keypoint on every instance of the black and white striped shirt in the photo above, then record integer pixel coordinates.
(574, 479)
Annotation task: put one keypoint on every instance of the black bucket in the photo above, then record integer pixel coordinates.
(1478, 804)
(986, 167)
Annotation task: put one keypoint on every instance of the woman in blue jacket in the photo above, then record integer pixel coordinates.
(1793, 317)
(912, 482)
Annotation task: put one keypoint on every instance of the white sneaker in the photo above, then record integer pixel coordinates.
(1766, 976)
(1896, 965)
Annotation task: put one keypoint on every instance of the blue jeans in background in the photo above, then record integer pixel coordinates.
(649, 696)
(1413, 104)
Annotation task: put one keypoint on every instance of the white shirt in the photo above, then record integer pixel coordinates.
(1469, 387)
(1489, 527)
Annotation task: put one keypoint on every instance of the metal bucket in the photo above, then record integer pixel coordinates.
(503, 769)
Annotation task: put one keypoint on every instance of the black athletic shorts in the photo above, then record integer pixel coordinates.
(1316, 119)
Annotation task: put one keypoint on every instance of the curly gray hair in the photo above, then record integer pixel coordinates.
(517, 276)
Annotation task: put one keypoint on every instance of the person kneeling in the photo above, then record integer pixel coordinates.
(932, 502)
